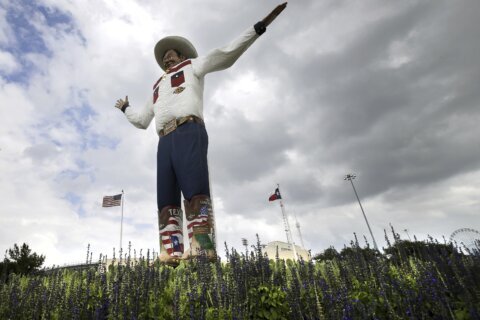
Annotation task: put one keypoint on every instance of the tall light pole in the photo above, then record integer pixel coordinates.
(299, 232)
(350, 178)
(245, 244)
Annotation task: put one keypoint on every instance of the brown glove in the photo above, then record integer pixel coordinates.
(122, 104)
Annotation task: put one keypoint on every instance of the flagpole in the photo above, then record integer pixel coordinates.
(121, 221)
(287, 227)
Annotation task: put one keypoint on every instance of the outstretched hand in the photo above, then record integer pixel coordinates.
(274, 14)
(120, 103)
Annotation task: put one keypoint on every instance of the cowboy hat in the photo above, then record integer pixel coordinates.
(180, 44)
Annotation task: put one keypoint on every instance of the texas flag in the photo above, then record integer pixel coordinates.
(275, 196)
(177, 246)
(177, 79)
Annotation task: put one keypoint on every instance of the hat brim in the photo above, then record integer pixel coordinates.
(180, 44)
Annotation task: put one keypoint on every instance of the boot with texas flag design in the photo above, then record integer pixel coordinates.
(201, 228)
(170, 225)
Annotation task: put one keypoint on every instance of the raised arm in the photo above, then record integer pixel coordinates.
(140, 119)
(274, 14)
(224, 57)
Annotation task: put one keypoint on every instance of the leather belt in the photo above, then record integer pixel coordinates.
(171, 125)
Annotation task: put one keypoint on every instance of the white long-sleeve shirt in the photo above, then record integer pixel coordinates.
(180, 92)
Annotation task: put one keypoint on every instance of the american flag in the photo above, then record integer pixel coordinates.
(112, 201)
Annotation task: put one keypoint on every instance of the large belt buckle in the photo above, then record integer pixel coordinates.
(170, 126)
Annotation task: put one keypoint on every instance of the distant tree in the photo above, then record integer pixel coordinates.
(367, 254)
(5, 269)
(328, 254)
(21, 260)
(401, 250)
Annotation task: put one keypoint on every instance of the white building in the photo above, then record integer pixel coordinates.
(285, 251)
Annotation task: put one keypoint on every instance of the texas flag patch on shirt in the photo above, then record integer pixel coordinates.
(177, 79)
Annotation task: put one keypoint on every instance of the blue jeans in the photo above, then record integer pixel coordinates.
(182, 165)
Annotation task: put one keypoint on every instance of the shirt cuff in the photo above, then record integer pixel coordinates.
(125, 106)
(260, 27)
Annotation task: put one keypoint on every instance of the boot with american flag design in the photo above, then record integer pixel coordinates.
(170, 225)
(201, 229)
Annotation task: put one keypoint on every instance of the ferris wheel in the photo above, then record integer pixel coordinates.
(470, 238)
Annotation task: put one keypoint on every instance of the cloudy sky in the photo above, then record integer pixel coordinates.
(386, 90)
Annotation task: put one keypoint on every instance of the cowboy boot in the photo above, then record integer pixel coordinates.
(170, 226)
(201, 227)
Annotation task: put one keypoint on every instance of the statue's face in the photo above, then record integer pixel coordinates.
(172, 58)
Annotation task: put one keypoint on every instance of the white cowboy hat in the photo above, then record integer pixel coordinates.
(180, 44)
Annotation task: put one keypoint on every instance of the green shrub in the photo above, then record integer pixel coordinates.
(267, 303)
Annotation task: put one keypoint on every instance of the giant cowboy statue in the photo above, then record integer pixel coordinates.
(177, 106)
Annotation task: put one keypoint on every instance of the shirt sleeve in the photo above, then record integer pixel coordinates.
(224, 57)
(143, 118)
